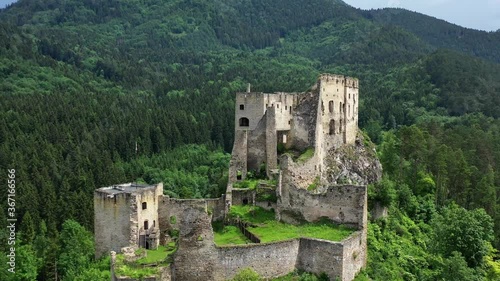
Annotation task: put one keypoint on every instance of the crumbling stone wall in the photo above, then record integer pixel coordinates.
(268, 260)
(341, 204)
(283, 105)
(271, 141)
(300, 174)
(196, 258)
(256, 146)
(171, 210)
(238, 162)
(216, 207)
(303, 129)
(112, 222)
(342, 260)
(321, 256)
(355, 255)
(243, 196)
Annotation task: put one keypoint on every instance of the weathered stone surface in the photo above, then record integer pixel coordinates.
(320, 256)
(268, 260)
(171, 210)
(119, 216)
(353, 164)
(196, 256)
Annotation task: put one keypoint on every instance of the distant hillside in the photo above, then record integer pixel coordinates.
(440, 33)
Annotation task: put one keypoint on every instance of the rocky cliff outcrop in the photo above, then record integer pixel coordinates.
(353, 164)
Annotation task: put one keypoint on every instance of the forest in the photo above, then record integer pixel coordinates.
(94, 93)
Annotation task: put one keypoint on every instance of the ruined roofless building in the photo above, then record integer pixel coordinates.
(126, 215)
(322, 118)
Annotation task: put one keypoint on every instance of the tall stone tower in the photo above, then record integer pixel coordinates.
(337, 112)
(322, 118)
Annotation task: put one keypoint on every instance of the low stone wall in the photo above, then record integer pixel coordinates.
(344, 204)
(355, 255)
(321, 256)
(268, 260)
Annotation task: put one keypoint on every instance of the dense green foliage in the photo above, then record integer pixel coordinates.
(101, 92)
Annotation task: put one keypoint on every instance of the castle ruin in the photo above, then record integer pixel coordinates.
(272, 134)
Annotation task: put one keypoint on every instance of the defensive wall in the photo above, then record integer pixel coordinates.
(198, 258)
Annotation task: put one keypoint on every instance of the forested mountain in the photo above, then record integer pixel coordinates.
(441, 34)
(100, 92)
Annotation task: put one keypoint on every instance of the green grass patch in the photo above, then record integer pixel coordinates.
(306, 155)
(266, 196)
(314, 185)
(133, 270)
(159, 255)
(228, 235)
(138, 268)
(269, 230)
(247, 183)
(251, 214)
(298, 275)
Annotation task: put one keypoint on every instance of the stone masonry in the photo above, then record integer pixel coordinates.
(330, 184)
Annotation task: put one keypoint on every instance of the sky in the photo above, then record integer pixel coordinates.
(478, 14)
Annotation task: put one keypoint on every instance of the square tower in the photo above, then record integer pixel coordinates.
(126, 215)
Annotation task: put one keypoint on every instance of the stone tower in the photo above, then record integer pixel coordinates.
(126, 215)
(322, 118)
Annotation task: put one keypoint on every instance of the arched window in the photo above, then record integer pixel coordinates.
(330, 106)
(340, 126)
(242, 107)
(340, 107)
(332, 127)
(146, 225)
(244, 122)
(144, 205)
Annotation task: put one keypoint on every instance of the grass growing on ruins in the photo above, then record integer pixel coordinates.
(228, 235)
(247, 183)
(133, 270)
(138, 269)
(313, 186)
(159, 255)
(306, 155)
(269, 230)
(251, 214)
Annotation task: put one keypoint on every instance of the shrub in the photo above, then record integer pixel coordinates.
(246, 274)
(173, 220)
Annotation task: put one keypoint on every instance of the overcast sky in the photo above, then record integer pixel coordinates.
(478, 14)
